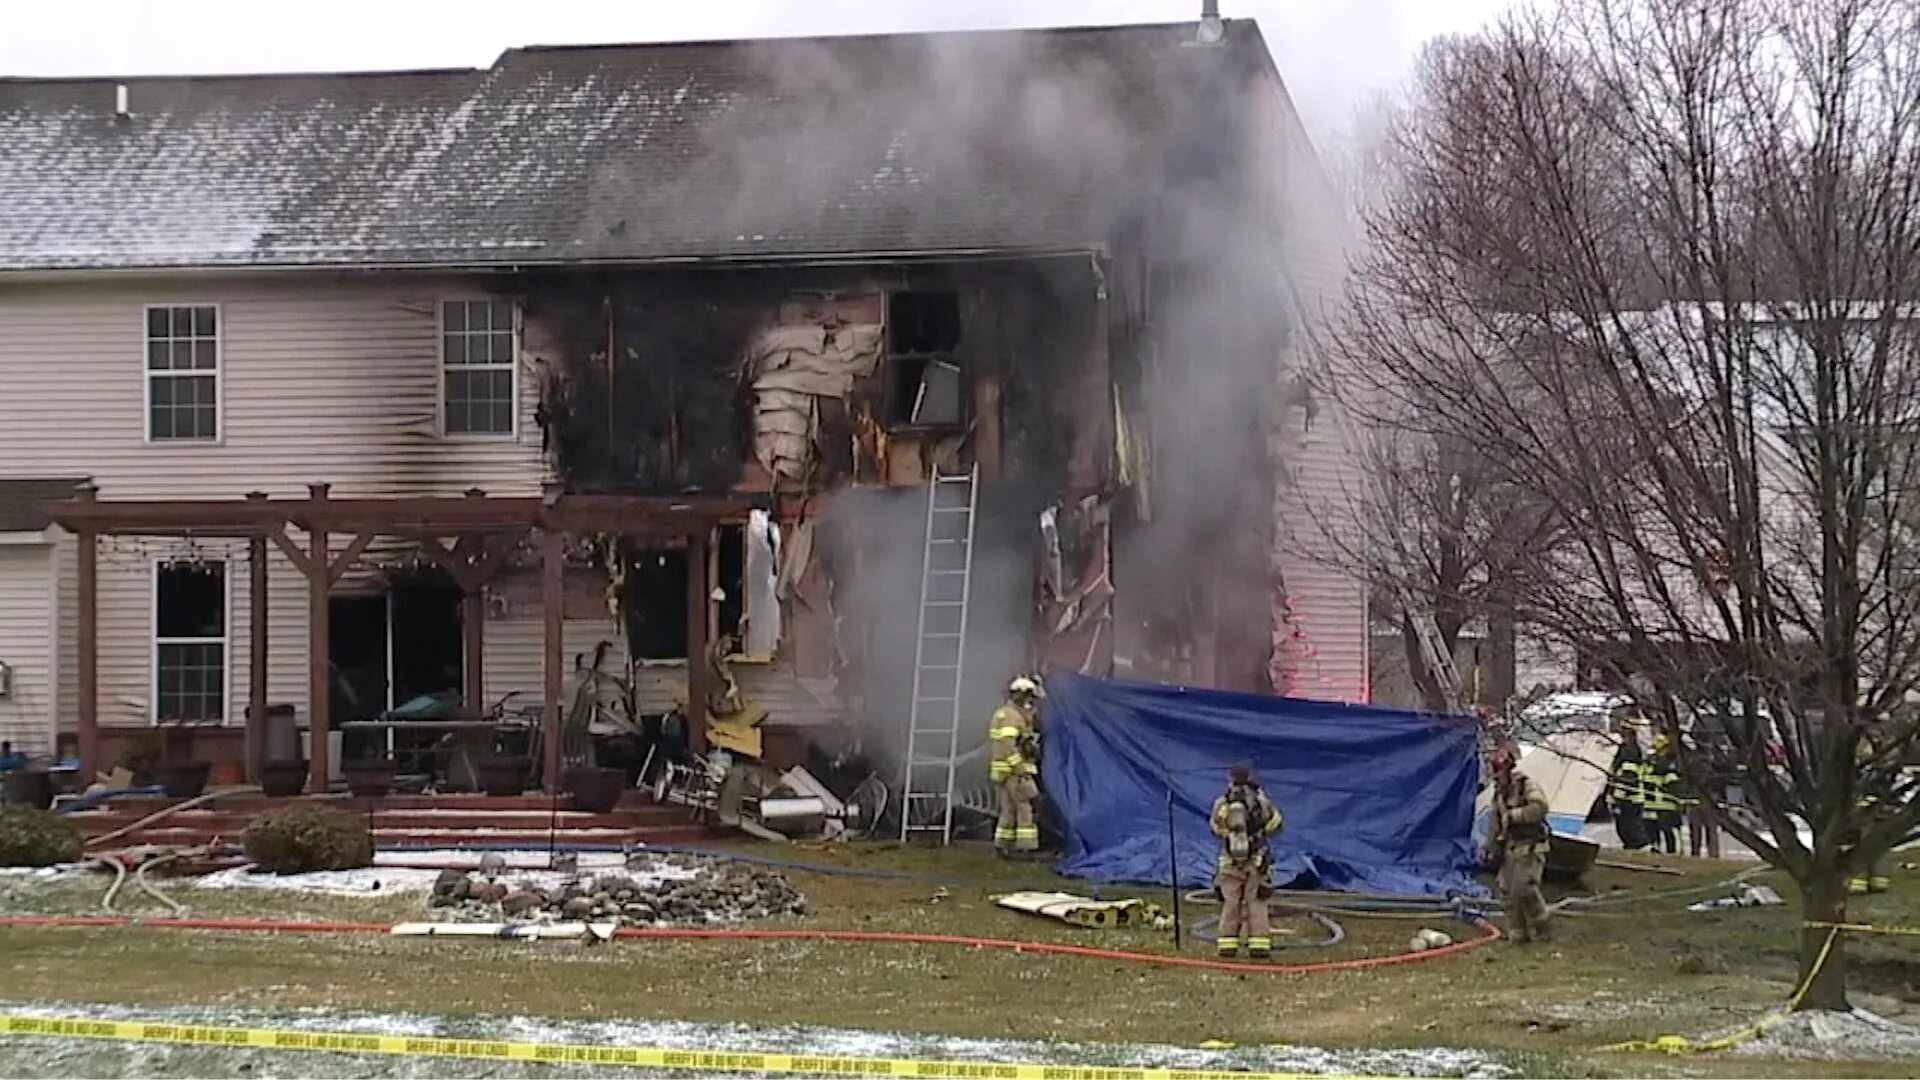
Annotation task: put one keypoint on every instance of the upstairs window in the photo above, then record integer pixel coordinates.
(190, 642)
(183, 373)
(926, 387)
(478, 367)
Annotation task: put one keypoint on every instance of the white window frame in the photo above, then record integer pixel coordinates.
(218, 371)
(442, 370)
(225, 641)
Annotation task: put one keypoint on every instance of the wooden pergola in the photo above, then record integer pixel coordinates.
(484, 529)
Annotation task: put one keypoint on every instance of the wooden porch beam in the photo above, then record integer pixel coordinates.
(257, 616)
(697, 545)
(473, 631)
(88, 559)
(475, 559)
(278, 534)
(338, 567)
(444, 516)
(319, 650)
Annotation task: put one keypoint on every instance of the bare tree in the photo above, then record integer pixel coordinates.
(1656, 262)
(1428, 521)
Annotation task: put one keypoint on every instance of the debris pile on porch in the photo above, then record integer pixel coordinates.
(665, 893)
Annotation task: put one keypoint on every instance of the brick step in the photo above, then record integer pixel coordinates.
(392, 839)
(147, 804)
(95, 822)
(388, 839)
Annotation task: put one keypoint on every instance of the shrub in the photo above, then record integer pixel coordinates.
(30, 836)
(301, 838)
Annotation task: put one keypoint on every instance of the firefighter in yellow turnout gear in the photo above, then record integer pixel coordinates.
(1245, 820)
(1875, 880)
(1520, 836)
(1015, 768)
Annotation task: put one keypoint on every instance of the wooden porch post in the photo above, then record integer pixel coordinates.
(319, 645)
(256, 652)
(473, 619)
(553, 599)
(697, 641)
(87, 554)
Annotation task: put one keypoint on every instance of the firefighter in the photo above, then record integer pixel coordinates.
(1520, 837)
(1662, 797)
(1874, 880)
(1626, 793)
(1015, 768)
(1245, 819)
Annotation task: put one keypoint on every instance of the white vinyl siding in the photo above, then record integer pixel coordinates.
(1318, 469)
(183, 373)
(27, 612)
(322, 378)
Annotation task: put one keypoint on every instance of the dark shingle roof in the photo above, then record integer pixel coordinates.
(884, 144)
(21, 502)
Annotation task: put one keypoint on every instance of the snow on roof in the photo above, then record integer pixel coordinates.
(887, 144)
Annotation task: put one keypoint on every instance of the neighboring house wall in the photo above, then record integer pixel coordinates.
(1326, 647)
(321, 378)
(27, 609)
(1393, 685)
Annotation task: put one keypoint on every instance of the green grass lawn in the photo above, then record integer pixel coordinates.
(1632, 972)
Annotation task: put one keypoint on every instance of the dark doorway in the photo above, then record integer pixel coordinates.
(732, 580)
(427, 652)
(357, 641)
(657, 605)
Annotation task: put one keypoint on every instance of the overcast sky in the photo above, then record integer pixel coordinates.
(1331, 52)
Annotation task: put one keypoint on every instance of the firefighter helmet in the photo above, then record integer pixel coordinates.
(1026, 686)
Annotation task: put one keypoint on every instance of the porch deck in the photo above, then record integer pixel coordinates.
(400, 821)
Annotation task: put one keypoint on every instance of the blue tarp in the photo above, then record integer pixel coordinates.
(1375, 800)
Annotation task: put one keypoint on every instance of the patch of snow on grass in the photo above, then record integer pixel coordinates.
(371, 881)
(1835, 1036)
(58, 870)
(415, 871)
(1434, 1061)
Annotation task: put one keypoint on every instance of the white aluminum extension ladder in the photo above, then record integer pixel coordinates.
(939, 656)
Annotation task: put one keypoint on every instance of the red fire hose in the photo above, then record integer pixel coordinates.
(1489, 934)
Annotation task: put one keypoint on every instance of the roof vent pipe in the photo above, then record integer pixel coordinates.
(120, 111)
(1211, 30)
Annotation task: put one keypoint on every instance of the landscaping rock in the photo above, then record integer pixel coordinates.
(450, 888)
(522, 902)
(716, 893)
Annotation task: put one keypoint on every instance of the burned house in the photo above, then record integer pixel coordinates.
(715, 312)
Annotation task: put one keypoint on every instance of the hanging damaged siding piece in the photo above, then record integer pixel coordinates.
(790, 369)
(763, 586)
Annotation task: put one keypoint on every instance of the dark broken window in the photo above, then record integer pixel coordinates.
(926, 385)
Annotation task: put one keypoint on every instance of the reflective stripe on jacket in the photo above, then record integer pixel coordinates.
(1010, 731)
(1661, 798)
(1628, 787)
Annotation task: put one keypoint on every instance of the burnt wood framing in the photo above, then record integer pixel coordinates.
(485, 531)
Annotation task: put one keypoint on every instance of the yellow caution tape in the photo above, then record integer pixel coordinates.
(645, 1057)
(1680, 1044)
(1866, 928)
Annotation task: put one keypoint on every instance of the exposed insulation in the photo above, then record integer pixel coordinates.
(791, 367)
